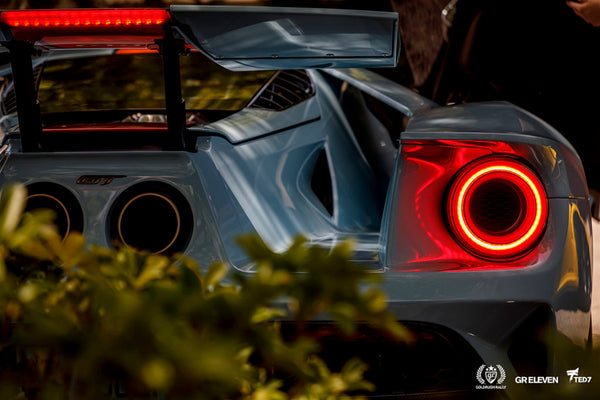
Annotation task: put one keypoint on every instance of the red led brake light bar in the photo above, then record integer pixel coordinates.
(89, 18)
(87, 28)
(77, 28)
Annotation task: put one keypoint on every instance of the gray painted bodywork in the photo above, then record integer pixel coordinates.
(398, 97)
(251, 174)
(250, 38)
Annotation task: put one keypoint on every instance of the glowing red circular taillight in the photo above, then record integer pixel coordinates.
(497, 208)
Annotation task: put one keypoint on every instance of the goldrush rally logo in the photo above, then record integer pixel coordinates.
(491, 377)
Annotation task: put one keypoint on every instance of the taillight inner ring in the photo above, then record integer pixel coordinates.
(497, 208)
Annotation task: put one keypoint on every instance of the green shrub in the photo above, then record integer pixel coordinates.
(76, 320)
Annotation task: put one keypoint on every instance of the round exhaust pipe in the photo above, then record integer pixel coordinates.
(46, 195)
(151, 216)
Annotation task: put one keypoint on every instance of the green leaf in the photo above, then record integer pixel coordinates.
(2, 269)
(154, 268)
(354, 370)
(28, 292)
(157, 374)
(12, 204)
(376, 300)
(72, 250)
(216, 272)
(264, 314)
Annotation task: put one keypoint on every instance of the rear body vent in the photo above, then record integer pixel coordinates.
(320, 182)
(285, 89)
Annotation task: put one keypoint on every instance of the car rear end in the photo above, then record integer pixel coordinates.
(477, 217)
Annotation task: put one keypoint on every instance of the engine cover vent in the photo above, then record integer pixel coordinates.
(285, 89)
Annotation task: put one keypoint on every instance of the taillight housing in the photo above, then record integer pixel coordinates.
(466, 205)
(497, 208)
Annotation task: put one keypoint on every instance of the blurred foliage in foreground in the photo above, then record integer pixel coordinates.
(74, 320)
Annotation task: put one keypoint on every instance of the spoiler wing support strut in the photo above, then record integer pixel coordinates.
(171, 48)
(30, 122)
(28, 108)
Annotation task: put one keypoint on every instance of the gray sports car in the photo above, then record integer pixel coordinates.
(179, 130)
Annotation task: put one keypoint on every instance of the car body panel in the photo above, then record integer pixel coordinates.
(249, 124)
(385, 90)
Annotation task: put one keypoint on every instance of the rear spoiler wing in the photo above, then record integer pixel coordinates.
(237, 38)
(244, 38)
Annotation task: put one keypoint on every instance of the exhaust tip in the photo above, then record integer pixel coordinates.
(152, 216)
(46, 195)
